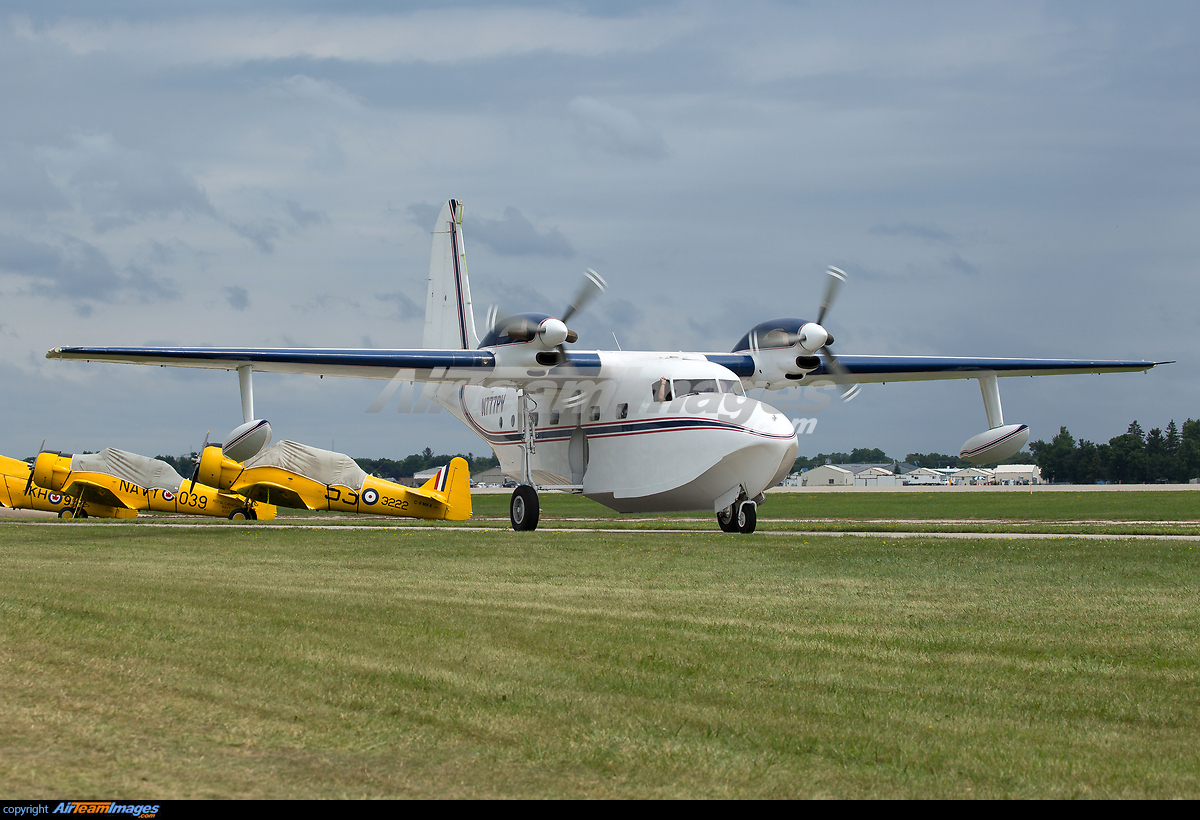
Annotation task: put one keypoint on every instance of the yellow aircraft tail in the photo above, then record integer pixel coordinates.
(451, 485)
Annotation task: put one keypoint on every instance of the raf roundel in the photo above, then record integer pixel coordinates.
(168, 495)
(370, 497)
(54, 498)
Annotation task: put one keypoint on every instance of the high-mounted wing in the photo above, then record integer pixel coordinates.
(425, 365)
(863, 369)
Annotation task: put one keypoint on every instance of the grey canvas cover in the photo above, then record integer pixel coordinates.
(325, 466)
(140, 470)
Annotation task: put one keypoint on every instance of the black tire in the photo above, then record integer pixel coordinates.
(523, 508)
(66, 513)
(81, 514)
(747, 517)
(251, 514)
(726, 521)
(239, 515)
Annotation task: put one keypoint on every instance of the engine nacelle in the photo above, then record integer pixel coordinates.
(50, 470)
(247, 440)
(996, 444)
(217, 470)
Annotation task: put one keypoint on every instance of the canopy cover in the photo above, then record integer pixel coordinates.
(140, 470)
(324, 466)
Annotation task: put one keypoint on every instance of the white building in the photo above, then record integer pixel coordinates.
(926, 476)
(1018, 474)
(827, 475)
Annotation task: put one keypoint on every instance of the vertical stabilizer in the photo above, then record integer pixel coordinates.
(449, 322)
(451, 485)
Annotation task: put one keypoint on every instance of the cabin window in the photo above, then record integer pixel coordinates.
(661, 390)
(553, 418)
(622, 411)
(594, 413)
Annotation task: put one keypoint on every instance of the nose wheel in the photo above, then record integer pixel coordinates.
(739, 517)
(523, 508)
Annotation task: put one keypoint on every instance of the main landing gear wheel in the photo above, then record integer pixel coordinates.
(726, 520)
(523, 509)
(241, 515)
(747, 517)
(68, 513)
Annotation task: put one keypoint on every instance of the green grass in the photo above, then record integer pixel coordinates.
(1042, 505)
(271, 662)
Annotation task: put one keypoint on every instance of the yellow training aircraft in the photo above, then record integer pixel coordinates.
(128, 482)
(305, 478)
(18, 491)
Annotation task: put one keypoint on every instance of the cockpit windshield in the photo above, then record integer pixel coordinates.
(664, 390)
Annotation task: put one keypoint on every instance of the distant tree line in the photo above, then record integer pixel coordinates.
(382, 467)
(1135, 457)
(861, 455)
(424, 460)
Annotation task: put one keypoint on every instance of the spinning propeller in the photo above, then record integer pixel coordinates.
(29, 483)
(196, 461)
(551, 333)
(815, 338)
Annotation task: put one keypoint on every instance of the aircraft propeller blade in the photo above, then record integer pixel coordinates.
(592, 286)
(29, 483)
(848, 390)
(196, 461)
(833, 284)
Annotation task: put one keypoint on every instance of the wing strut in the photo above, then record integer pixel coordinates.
(246, 384)
(991, 399)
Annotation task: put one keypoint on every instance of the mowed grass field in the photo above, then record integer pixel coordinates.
(259, 661)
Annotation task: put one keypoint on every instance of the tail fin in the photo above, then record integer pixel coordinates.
(449, 322)
(452, 486)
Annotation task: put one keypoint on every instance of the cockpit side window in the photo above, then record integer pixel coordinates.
(661, 391)
(733, 386)
(690, 387)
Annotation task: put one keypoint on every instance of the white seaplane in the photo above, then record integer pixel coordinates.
(636, 431)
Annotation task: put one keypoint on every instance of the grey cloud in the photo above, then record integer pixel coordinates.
(514, 235)
(406, 308)
(238, 298)
(617, 131)
(305, 218)
(79, 270)
(116, 186)
(262, 234)
(24, 184)
(909, 229)
(959, 265)
(423, 215)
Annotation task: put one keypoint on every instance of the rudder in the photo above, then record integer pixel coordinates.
(451, 485)
(449, 321)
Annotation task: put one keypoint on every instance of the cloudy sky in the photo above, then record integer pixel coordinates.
(1016, 179)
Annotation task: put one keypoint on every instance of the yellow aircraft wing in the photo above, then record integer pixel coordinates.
(93, 492)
